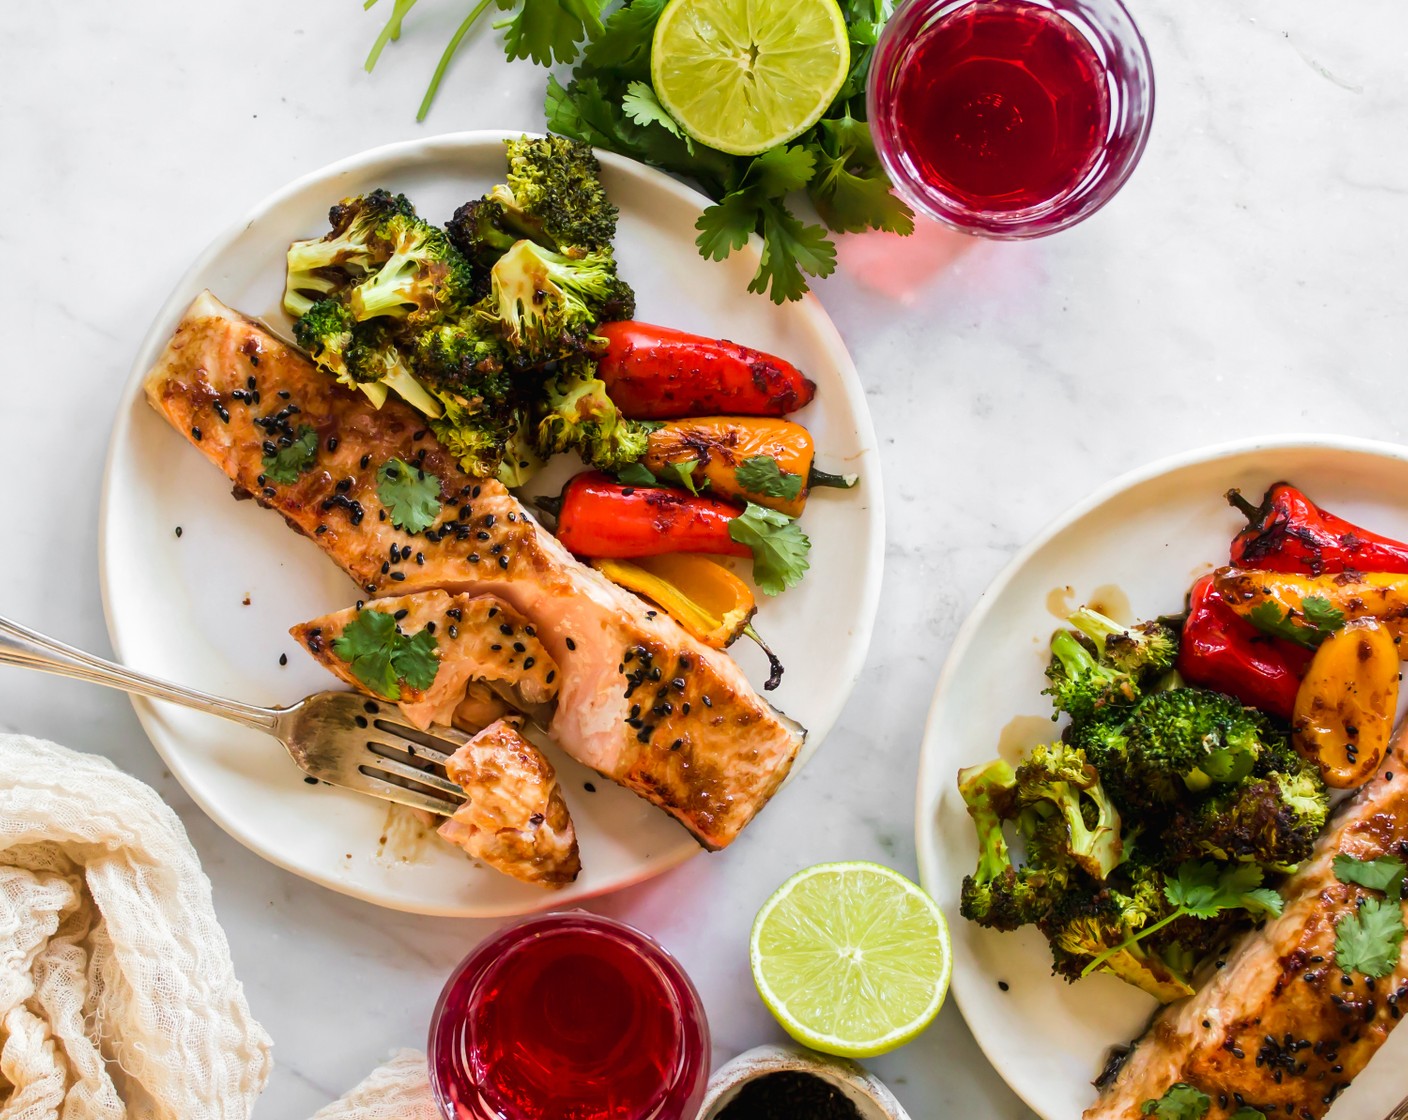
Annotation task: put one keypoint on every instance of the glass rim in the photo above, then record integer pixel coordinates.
(1097, 186)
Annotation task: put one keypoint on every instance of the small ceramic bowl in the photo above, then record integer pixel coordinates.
(872, 1100)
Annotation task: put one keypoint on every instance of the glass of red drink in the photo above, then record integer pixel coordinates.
(1010, 118)
(569, 1016)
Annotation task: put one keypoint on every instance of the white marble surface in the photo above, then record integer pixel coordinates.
(1250, 278)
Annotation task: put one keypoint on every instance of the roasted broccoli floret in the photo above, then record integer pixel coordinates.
(999, 895)
(475, 434)
(1060, 775)
(547, 304)
(1145, 650)
(325, 331)
(553, 196)
(1195, 736)
(521, 460)
(1272, 821)
(360, 241)
(1089, 919)
(424, 273)
(465, 357)
(578, 415)
(1082, 685)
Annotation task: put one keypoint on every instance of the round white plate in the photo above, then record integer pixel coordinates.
(1136, 545)
(212, 608)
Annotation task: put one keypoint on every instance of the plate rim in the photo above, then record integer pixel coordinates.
(186, 287)
(925, 831)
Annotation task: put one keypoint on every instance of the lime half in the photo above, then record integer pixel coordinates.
(745, 75)
(852, 958)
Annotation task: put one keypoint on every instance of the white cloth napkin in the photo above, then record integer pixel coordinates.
(399, 1090)
(118, 1000)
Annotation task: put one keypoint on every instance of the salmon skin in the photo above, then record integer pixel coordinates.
(639, 701)
(1279, 1027)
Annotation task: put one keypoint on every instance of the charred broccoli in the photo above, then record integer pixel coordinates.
(1144, 650)
(423, 273)
(1272, 821)
(580, 416)
(325, 331)
(359, 242)
(553, 196)
(1082, 685)
(998, 894)
(547, 304)
(1060, 776)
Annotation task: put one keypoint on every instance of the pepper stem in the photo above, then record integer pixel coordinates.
(774, 665)
(1241, 505)
(826, 478)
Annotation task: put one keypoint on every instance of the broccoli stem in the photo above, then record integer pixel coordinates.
(1074, 657)
(1096, 626)
(450, 49)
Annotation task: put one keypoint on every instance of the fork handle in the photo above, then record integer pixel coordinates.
(22, 646)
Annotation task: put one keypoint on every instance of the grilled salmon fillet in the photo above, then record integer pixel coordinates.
(477, 638)
(639, 700)
(1279, 1027)
(514, 818)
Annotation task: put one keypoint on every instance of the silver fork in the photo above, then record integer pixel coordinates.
(336, 737)
(1400, 1111)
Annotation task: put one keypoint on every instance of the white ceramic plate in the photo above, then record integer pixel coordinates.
(1138, 543)
(177, 607)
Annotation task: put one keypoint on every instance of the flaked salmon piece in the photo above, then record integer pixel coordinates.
(1279, 1027)
(513, 818)
(480, 707)
(639, 700)
(476, 638)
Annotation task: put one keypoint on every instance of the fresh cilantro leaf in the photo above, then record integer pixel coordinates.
(641, 106)
(779, 547)
(864, 21)
(411, 496)
(789, 250)
(287, 463)
(851, 190)
(726, 225)
(1202, 890)
(637, 474)
(1247, 1112)
(761, 474)
(1268, 617)
(1382, 874)
(382, 657)
(623, 47)
(548, 31)
(1322, 614)
(1180, 1102)
(1368, 940)
(782, 170)
(580, 112)
(682, 472)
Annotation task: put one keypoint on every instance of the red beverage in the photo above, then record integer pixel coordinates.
(569, 1017)
(1002, 105)
(1010, 118)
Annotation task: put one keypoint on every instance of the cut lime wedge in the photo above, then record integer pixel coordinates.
(852, 958)
(743, 76)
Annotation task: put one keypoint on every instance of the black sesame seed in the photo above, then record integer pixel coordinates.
(178, 530)
(589, 787)
(195, 434)
(312, 781)
(677, 744)
(529, 662)
(1003, 985)
(454, 631)
(398, 576)
(571, 644)
(503, 562)
(332, 444)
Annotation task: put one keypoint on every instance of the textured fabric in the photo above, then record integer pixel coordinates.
(399, 1090)
(118, 1000)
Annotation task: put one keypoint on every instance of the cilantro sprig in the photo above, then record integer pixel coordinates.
(779, 547)
(762, 475)
(383, 658)
(1180, 1102)
(411, 495)
(1317, 619)
(1369, 939)
(286, 464)
(1203, 890)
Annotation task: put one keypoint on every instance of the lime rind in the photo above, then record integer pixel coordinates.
(852, 959)
(743, 76)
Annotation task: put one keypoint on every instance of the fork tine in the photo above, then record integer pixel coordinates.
(427, 746)
(381, 764)
(389, 791)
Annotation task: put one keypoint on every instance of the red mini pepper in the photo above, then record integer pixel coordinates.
(604, 519)
(1223, 651)
(657, 373)
(1290, 533)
